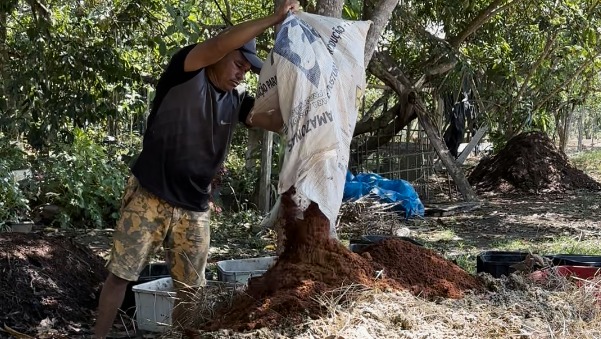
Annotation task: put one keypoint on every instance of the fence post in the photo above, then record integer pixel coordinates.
(265, 179)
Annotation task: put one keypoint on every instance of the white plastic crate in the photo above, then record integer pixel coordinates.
(240, 270)
(154, 303)
(155, 300)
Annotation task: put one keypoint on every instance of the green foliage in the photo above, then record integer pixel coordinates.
(14, 206)
(82, 180)
(94, 64)
(588, 161)
(238, 183)
(237, 227)
(13, 154)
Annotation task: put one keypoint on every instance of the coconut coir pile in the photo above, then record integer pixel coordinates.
(312, 264)
(530, 163)
(47, 282)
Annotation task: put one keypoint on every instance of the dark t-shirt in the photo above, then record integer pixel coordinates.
(188, 134)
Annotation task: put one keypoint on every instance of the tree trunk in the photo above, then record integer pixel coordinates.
(564, 129)
(380, 17)
(331, 8)
(593, 132)
(580, 127)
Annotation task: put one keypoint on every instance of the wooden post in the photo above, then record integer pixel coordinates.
(266, 157)
(453, 168)
(473, 142)
(254, 143)
(265, 179)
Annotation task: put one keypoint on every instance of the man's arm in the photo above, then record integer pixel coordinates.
(271, 121)
(214, 49)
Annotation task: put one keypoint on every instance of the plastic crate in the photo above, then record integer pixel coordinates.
(155, 300)
(240, 270)
(154, 303)
(576, 260)
(150, 272)
(498, 263)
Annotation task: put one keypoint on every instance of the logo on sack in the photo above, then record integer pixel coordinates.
(358, 96)
(335, 38)
(285, 47)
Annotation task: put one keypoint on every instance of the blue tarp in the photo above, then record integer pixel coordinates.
(387, 190)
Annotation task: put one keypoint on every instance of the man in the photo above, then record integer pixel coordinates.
(188, 133)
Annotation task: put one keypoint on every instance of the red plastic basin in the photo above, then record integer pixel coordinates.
(581, 272)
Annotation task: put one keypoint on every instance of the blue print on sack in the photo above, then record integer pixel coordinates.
(284, 47)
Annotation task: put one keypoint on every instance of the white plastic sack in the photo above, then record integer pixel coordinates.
(315, 76)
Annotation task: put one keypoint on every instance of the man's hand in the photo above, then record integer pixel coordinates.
(286, 5)
(271, 121)
(214, 49)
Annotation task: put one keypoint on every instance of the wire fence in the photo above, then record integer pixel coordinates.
(406, 155)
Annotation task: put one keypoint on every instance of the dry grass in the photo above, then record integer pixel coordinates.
(367, 216)
(518, 308)
(514, 307)
(583, 317)
(205, 301)
(337, 303)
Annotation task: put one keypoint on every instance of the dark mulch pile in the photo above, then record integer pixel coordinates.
(48, 284)
(530, 163)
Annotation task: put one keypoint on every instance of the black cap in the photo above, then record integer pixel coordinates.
(249, 50)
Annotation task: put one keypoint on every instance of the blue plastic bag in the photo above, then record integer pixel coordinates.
(389, 191)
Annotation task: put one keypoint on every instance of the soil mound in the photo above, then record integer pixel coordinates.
(47, 283)
(530, 162)
(420, 270)
(312, 265)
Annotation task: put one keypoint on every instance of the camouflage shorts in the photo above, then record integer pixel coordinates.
(146, 223)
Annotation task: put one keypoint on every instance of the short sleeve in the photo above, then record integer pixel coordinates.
(175, 73)
(248, 102)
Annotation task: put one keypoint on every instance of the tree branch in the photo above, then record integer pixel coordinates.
(478, 21)
(381, 101)
(384, 68)
(453, 169)
(403, 114)
(567, 82)
(546, 51)
(226, 17)
(380, 122)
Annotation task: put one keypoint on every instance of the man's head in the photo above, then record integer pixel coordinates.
(228, 72)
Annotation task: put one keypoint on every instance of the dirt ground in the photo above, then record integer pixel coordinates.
(514, 308)
(511, 307)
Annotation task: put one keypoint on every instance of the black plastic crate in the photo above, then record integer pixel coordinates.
(498, 263)
(576, 260)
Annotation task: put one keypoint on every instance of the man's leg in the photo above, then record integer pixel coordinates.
(187, 250)
(139, 232)
(111, 298)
